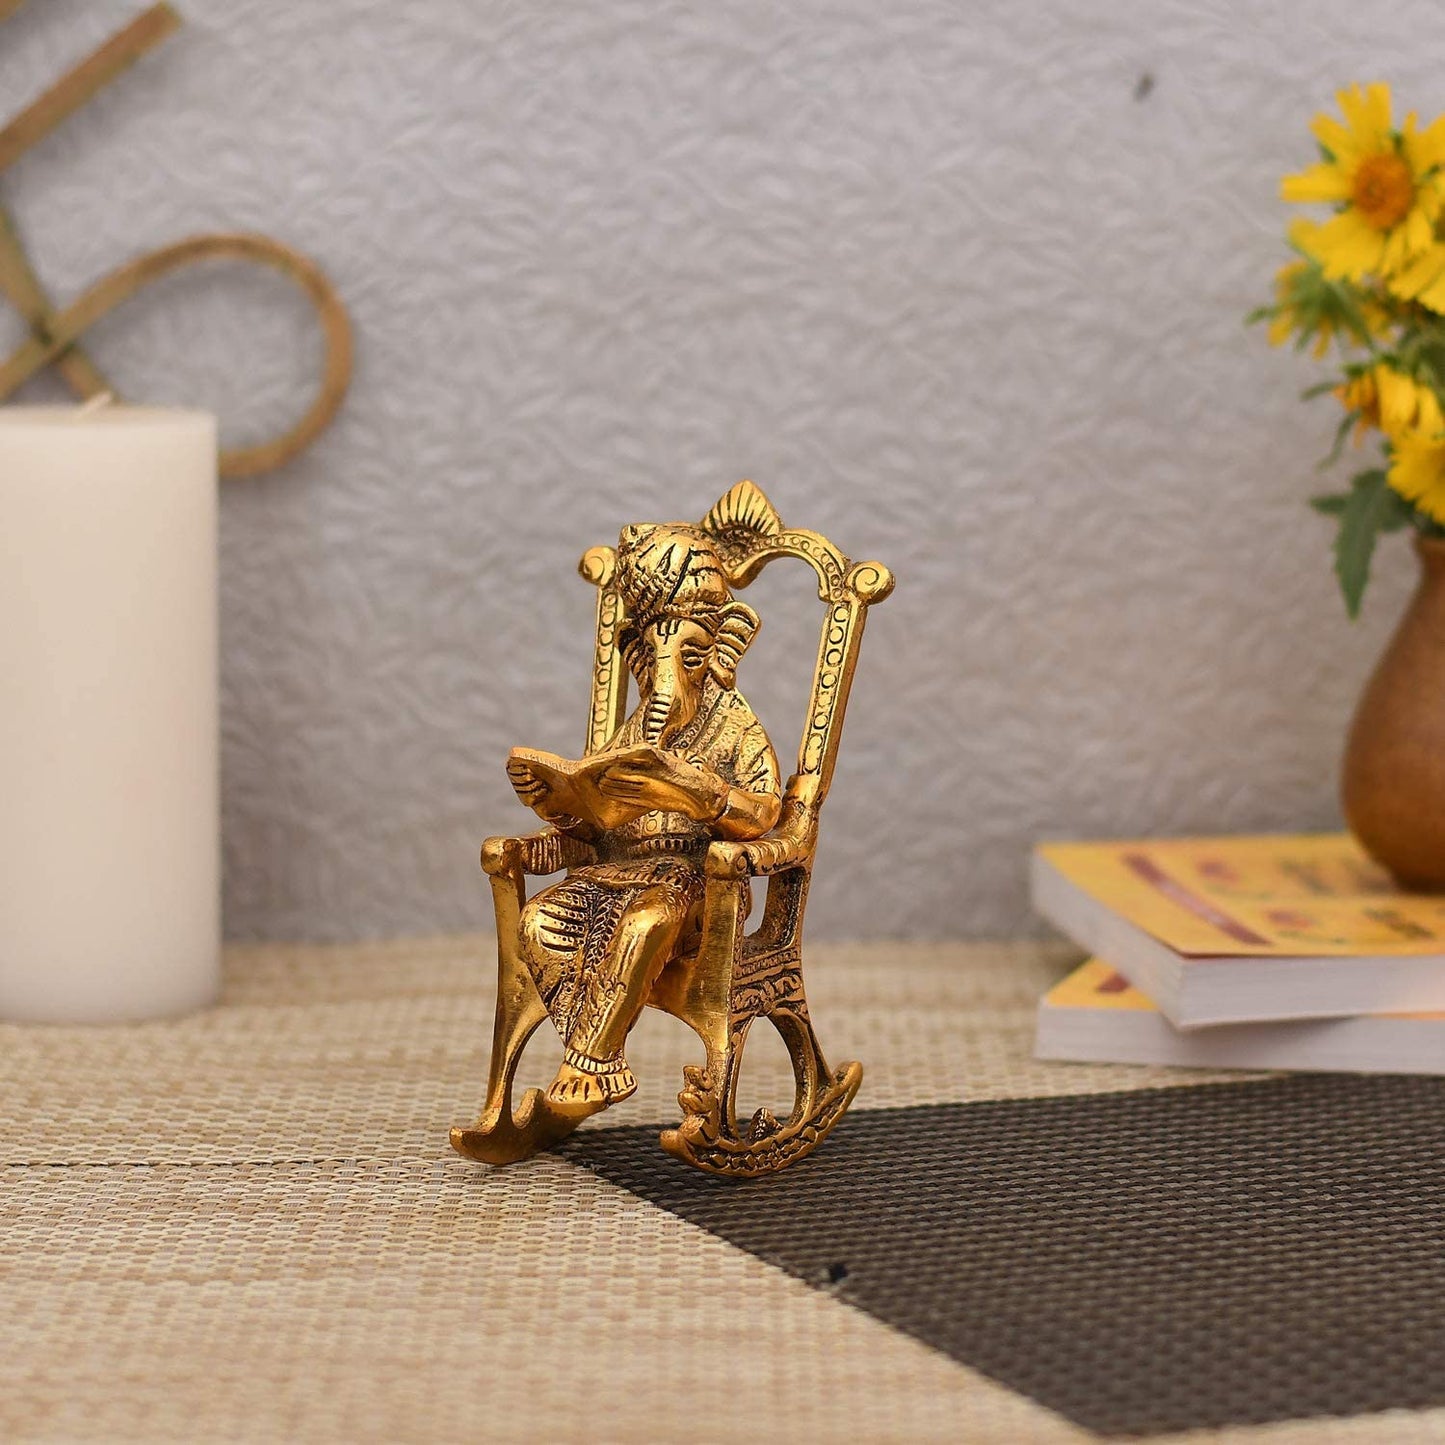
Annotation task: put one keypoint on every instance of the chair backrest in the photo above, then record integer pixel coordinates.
(749, 534)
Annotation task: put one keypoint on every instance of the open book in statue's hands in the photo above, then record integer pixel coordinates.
(611, 788)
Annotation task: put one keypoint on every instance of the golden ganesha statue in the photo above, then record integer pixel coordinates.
(661, 826)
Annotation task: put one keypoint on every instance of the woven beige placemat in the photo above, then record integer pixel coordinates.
(247, 1225)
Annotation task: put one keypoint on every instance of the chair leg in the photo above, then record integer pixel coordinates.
(499, 1136)
(815, 1083)
(708, 1121)
(709, 1138)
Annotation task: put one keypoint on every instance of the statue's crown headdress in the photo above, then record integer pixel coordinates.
(670, 569)
(741, 522)
(681, 569)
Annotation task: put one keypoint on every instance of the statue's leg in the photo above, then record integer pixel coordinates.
(552, 938)
(594, 1071)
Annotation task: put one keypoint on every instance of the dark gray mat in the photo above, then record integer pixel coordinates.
(1141, 1262)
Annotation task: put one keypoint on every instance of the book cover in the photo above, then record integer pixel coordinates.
(1095, 1015)
(1289, 895)
(1235, 929)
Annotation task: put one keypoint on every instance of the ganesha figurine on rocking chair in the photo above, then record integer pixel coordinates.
(661, 826)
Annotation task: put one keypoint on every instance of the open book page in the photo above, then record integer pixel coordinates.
(559, 786)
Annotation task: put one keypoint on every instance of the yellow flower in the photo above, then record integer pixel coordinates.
(1391, 401)
(1417, 471)
(1386, 184)
(1311, 307)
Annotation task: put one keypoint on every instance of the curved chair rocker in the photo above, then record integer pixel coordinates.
(727, 980)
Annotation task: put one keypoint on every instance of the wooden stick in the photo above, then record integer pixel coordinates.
(92, 75)
(21, 285)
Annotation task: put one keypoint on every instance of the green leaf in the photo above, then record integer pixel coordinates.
(1318, 389)
(1341, 432)
(1398, 513)
(1370, 508)
(1429, 358)
(1332, 505)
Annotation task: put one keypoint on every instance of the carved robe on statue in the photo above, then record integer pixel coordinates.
(575, 933)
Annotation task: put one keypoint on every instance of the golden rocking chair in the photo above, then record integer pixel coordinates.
(726, 979)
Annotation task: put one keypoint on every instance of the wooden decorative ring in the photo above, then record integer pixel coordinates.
(64, 328)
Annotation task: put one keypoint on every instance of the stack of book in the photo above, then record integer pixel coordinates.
(1255, 953)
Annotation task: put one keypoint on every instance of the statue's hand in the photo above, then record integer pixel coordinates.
(537, 794)
(531, 789)
(653, 779)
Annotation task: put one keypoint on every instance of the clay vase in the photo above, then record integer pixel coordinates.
(1394, 773)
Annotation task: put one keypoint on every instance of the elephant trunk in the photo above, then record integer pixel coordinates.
(671, 707)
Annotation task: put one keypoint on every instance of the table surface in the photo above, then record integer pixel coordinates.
(247, 1224)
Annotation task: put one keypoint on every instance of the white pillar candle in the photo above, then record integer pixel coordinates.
(109, 806)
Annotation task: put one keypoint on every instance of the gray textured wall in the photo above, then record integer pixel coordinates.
(941, 277)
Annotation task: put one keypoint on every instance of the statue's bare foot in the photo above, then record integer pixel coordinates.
(591, 1088)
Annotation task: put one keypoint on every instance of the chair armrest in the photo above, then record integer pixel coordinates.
(536, 853)
(789, 845)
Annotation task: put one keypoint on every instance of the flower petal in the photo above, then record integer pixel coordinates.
(1340, 143)
(1423, 279)
(1399, 399)
(1348, 246)
(1412, 236)
(1321, 182)
(1432, 294)
(1417, 472)
(1431, 418)
(1367, 113)
(1425, 149)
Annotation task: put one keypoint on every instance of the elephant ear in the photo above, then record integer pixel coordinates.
(737, 626)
